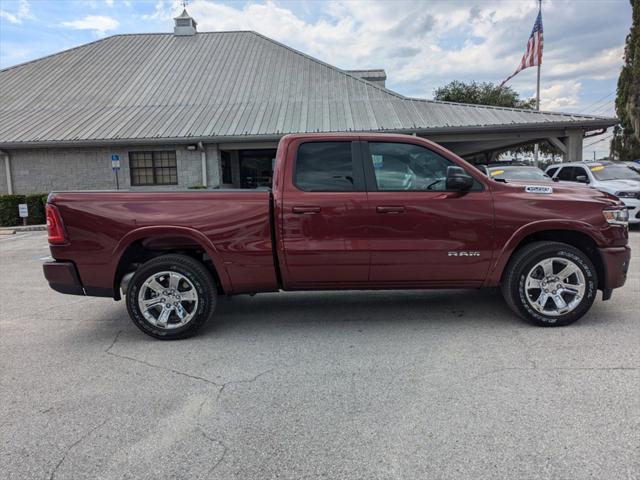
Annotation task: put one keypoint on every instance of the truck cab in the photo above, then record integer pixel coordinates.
(378, 212)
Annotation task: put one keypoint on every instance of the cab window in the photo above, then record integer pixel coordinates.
(407, 167)
(324, 167)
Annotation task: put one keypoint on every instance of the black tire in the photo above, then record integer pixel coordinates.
(522, 263)
(196, 273)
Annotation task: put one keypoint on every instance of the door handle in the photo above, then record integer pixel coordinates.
(305, 210)
(390, 209)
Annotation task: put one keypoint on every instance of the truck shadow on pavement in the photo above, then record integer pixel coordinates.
(370, 307)
(299, 311)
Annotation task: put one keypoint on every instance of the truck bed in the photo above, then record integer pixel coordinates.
(231, 226)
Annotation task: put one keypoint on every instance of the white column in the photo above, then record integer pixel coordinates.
(7, 170)
(573, 142)
(203, 160)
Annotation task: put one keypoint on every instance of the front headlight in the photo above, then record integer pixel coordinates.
(626, 194)
(616, 216)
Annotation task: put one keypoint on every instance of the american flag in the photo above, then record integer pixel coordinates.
(533, 56)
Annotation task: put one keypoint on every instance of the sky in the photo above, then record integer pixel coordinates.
(421, 44)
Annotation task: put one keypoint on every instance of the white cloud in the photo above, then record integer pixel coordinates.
(109, 3)
(162, 11)
(10, 17)
(560, 96)
(98, 23)
(23, 13)
(601, 65)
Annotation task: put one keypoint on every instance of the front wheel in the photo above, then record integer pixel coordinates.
(171, 296)
(550, 283)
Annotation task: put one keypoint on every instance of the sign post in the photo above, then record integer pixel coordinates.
(23, 211)
(115, 166)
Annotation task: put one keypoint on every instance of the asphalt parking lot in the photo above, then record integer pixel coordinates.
(382, 385)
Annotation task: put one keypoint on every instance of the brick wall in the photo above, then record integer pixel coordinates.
(44, 170)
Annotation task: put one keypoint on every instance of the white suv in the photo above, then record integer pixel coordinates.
(614, 178)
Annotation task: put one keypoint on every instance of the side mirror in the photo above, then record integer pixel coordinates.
(582, 179)
(458, 180)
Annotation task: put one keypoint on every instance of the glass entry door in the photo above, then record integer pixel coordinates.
(256, 168)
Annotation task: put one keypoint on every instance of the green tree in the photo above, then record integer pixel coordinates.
(486, 93)
(625, 144)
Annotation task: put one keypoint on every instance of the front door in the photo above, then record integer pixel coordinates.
(324, 217)
(422, 234)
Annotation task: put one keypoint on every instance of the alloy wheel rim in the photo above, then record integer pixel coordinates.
(168, 300)
(555, 286)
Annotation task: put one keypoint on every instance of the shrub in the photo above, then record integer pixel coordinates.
(9, 210)
(36, 202)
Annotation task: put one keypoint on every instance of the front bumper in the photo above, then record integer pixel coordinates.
(616, 265)
(633, 207)
(63, 277)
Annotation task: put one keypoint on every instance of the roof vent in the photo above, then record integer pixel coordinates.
(185, 25)
(377, 75)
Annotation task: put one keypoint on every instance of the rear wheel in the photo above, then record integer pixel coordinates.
(171, 296)
(550, 283)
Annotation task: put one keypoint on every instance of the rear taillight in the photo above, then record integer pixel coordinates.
(55, 228)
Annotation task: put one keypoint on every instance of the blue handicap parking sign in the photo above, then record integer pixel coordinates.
(115, 162)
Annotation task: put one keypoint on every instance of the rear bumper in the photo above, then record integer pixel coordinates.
(616, 265)
(63, 277)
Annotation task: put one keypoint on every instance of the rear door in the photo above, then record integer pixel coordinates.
(422, 234)
(324, 216)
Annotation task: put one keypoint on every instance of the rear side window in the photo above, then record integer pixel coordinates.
(567, 173)
(324, 167)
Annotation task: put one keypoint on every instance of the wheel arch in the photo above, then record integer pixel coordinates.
(576, 236)
(146, 243)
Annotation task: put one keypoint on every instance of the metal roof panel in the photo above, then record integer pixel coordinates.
(219, 84)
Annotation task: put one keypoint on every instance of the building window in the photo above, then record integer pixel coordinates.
(225, 162)
(153, 168)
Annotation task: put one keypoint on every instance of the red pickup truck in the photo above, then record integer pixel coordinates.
(346, 211)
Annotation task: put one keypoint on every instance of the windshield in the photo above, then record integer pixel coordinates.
(614, 172)
(524, 173)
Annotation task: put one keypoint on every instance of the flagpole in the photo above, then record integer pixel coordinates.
(536, 148)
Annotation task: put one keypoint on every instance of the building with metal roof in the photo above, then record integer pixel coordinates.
(189, 108)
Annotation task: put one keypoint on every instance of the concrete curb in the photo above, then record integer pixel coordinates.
(27, 228)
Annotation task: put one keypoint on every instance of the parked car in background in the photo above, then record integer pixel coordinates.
(611, 177)
(517, 172)
(635, 165)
